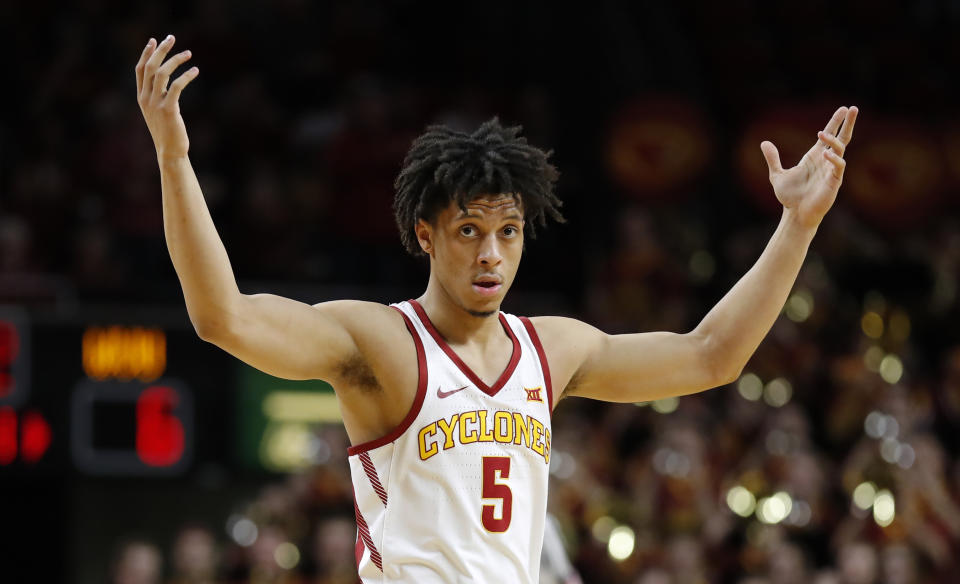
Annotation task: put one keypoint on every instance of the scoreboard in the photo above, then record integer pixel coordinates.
(115, 420)
(139, 394)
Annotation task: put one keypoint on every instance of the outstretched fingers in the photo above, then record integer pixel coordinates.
(846, 133)
(836, 144)
(836, 136)
(153, 63)
(837, 162)
(147, 51)
(834, 124)
(772, 156)
(180, 82)
(163, 73)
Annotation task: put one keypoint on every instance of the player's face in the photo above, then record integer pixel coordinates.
(474, 253)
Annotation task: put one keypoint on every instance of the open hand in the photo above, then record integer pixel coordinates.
(810, 188)
(159, 103)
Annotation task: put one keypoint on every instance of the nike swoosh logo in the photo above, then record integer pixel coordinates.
(442, 394)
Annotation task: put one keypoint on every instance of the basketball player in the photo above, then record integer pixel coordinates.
(445, 399)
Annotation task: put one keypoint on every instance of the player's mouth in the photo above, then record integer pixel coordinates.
(487, 285)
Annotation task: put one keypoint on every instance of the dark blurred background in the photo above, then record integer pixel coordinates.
(131, 451)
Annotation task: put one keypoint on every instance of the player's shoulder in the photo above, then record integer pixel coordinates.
(560, 326)
(349, 306)
(564, 337)
(362, 315)
(378, 330)
(567, 343)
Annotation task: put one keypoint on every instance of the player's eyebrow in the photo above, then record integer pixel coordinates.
(511, 217)
(468, 215)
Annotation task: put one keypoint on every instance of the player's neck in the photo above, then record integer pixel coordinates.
(455, 323)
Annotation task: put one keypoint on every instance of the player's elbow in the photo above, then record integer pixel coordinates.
(728, 374)
(214, 322)
(722, 367)
(208, 329)
(213, 328)
(722, 372)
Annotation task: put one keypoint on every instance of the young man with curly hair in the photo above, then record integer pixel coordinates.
(445, 399)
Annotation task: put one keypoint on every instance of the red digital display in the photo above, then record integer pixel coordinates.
(9, 349)
(8, 435)
(34, 436)
(97, 403)
(132, 428)
(159, 432)
(14, 356)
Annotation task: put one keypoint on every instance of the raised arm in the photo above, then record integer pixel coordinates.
(645, 366)
(280, 336)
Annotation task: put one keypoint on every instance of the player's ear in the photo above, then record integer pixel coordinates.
(424, 232)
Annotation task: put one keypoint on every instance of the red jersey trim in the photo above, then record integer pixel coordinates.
(358, 550)
(417, 401)
(366, 538)
(543, 358)
(372, 476)
(464, 368)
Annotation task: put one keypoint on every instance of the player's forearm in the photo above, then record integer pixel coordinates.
(734, 328)
(198, 254)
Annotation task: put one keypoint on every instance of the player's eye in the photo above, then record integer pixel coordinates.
(510, 231)
(468, 230)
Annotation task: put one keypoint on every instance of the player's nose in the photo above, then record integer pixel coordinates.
(489, 253)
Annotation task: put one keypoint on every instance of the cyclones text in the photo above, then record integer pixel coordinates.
(484, 426)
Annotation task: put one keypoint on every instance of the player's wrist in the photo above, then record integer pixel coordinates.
(798, 225)
(171, 157)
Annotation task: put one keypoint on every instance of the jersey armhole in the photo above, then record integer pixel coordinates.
(532, 332)
(417, 400)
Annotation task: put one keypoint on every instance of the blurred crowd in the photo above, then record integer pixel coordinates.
(830, 467)
(832, 460)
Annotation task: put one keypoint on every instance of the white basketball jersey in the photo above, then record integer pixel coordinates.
(458, 491)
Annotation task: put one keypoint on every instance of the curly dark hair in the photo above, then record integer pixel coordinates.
(444, 165)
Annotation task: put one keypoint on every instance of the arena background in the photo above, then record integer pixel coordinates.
(127, 443)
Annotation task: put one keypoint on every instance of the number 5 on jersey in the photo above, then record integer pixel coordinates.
(495, 467)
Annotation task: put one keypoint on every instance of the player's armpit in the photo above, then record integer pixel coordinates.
(638, 367)
(290, 339)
